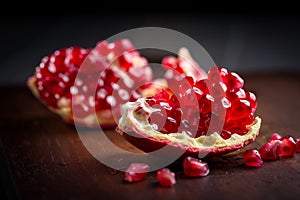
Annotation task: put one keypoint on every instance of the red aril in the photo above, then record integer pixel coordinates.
(275, 136)
(136, 172)
(166, 178)
(286, 147)
(269, 151)
(76, 82)
(252, 158)
(193, 167)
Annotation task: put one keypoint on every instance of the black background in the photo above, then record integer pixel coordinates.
(244, 40)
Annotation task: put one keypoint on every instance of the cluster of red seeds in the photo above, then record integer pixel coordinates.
(192, 167)
(56, 76)
(190, 105)
(277, 147)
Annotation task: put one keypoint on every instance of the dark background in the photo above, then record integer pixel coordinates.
(244, 41)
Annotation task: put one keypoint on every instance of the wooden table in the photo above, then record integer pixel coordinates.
(43, 158)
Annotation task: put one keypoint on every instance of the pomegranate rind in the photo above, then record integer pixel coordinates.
(134, 127)
(103, 117)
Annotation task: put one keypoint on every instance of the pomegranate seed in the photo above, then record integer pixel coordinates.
(157, 120)
(298, 145)
(162, 96)
(275, 136)
(171, 125)
(121, 46)
(56, 74)
(194, 167)
(166, 178)
(170, 61)
(287, 146)
(136, 172)
(269, 150)
(252, 158)
(126, 61)
(174, 101)
(233, 80)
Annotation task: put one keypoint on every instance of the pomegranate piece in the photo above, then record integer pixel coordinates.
(298, 145)
(286, 147)
(136, 172)
(252, 158)
(166, 178)
(68, 81)
(269, 150)
(275, 136)
(193, 167)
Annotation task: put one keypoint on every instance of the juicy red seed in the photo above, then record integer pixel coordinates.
(190, 80)
(194, 167)
(151, 101)
(205, 104)
(166, 106)
(125, 61)
(239, 109)
(194, 120)
(202, 85)
(190, 98)
(298, 145)
(225, 134)
(287, 146)
(233, 80)
(103, 48)
(162, 96)
(252, 158)
(171, 125)
(217, 90)
(236, 93)
(269, 150)
(174, 103)
(136, 172)
(176, 114)
(214, 75)
(275, 136)
(110, 76)
(252, 99)
(121, 46)
(166, 178)
(223, 72)
(170, 61)
(157, 120)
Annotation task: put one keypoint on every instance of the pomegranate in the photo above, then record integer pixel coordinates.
(286, 147)
(194, 167)
(136, 172)
(207, 116)
(166, 178)
(119, 65)
(252, 158)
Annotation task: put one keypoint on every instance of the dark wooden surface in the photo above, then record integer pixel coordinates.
(43, 158)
